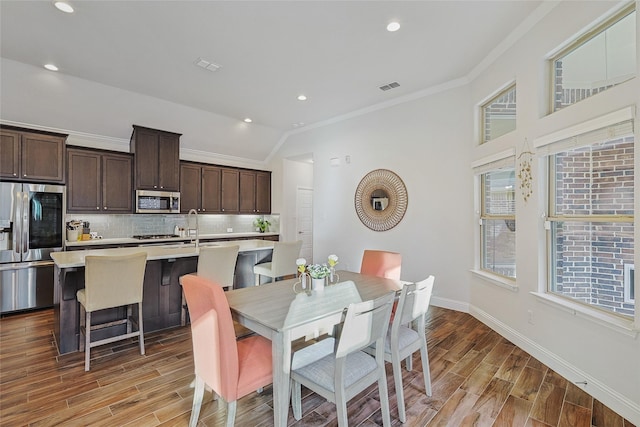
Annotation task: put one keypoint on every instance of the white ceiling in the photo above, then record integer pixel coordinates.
(336, 52)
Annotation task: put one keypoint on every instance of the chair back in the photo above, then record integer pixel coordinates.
(215, 352)
(113, 281)
(218, 264)
(381, 264)
(414, 301)
(366, 322)
(283, 259)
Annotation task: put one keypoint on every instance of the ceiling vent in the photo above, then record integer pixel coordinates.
(389, 86)
(207, 65)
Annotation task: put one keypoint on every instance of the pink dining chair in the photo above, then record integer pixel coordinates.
(381, 264)
(232, 369)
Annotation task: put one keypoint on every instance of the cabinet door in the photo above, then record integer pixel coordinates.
(9, 154)
(190, 187)
(211, 189)
(247, 192)
(169, 162)
(263, 192)
(117, 186)
(230, 185)
(42, 157)
(146, 159)
(83, 176)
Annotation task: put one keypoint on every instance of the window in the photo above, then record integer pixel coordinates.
(591, 226)
(499, 115)
(601, 59)
(498, 222)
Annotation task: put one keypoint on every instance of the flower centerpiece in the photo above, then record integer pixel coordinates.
(319, 274)
(262, 224)
(332, 261)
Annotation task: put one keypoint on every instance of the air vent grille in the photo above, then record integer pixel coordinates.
(389, 86)
(207, 65)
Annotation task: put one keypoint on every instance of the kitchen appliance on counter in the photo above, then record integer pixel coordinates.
(31, 227)
(151, 201)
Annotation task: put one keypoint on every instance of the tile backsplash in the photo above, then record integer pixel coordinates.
(117, 226)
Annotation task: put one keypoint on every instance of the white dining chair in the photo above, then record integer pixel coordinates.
(407, 335)
(283, 261)
(339, 376)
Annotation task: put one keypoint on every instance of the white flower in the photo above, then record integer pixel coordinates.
(333, 260)
(301, 261)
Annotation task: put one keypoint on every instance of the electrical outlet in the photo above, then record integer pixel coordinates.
(530, 314)
(229, 230)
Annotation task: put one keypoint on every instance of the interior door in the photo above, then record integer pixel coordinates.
(304, 222)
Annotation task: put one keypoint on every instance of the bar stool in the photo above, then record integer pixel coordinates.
(111, 281)
(283, 261)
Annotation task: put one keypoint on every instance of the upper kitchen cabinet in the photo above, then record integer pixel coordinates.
(99, 181)
(157, 159)
(230, 196)
(27, 155)
(255, 192)
(200, 188)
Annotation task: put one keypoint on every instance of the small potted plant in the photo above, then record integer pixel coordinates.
(262, 224)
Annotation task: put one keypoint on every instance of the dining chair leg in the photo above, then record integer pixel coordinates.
(140, 328)
(341, 407)
(231, 413)
(87, 340)
(397, 379)
(198, 393)
(409, 363)
(129, 313)
(384, 397)
(424, 355)
(296, 400)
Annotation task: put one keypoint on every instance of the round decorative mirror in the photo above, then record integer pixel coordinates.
(381, 200)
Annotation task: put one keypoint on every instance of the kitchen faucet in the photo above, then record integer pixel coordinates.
(197, 228)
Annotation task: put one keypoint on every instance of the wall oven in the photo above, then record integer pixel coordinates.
(31, 227)
(157, 201)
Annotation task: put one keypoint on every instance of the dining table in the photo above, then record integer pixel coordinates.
(283, 312)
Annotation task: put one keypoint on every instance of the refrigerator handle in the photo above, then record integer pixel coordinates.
(25, 222)
(17, 224)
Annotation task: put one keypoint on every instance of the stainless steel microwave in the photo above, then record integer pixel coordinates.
(148, 201)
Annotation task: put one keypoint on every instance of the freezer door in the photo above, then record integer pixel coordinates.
(43, 221)
(24, 288)
(10, 229)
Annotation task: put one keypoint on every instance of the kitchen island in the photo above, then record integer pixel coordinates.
(162, 294)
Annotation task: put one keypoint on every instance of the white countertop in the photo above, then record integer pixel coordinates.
(131, 240)
(75, 258)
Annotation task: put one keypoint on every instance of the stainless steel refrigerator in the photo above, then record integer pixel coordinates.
(31, 227)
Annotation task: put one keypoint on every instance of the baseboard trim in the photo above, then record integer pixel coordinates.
(450, 304)
(609, 397)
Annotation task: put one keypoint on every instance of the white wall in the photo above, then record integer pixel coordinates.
(425, 142)
(430, 144)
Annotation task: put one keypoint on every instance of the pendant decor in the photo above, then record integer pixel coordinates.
(525, 174)
(381, 200)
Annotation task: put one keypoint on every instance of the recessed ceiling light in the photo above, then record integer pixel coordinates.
(393, 26)
(247, 120)
(302, 97)
(51, 67)
(63, 6)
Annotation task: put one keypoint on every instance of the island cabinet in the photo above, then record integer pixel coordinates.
(99, 181)
(230, 194)
(157, 159)
(31, 156)
(255, 192)
(200, 188)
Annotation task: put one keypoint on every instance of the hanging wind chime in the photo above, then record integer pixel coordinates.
(525, 171)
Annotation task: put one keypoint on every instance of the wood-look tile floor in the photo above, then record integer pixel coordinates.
(478, 377)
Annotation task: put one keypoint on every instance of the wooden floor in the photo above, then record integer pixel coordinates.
(479, 379)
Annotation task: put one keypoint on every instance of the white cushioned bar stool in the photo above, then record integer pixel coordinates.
(283, 261)
(111, 281)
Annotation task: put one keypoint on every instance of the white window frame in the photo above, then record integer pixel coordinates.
(544, 146)
(487, 164)
(507, 88)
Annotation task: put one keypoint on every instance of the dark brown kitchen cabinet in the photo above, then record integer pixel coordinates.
(199, 188)
(255, 192)
(31, 156)
(99, 181)
(157, 159)
(230, 196)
